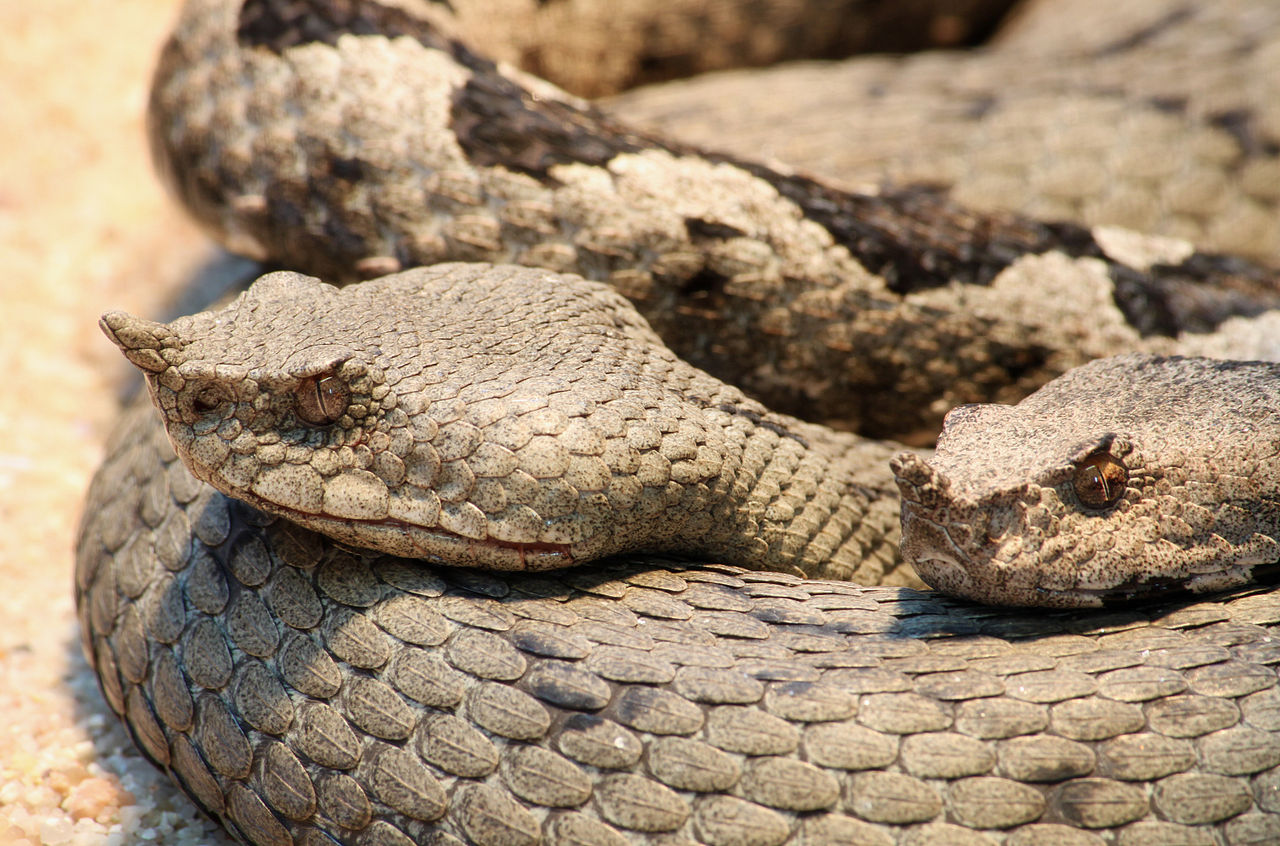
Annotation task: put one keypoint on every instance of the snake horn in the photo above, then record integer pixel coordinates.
(918, 481)
(152, 346)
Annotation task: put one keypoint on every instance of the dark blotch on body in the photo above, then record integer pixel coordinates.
(705, 288)
(913, 236)
(1195, 295)
(1242, 125)
(278, 25)
(497, 122)
(917, 238)
(348, 170)
(700, 229)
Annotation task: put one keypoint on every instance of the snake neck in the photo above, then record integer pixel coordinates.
(798, 498)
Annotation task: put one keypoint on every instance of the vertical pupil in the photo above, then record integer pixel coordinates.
(1100, 480)
(327, 396)
(322, 400)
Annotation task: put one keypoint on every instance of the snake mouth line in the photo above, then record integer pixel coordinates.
(940, 565)
(1160, 589)
(411, 540)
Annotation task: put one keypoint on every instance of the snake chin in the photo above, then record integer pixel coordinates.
(945, 573)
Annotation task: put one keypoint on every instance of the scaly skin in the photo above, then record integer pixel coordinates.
(302, 693)
(997, 513)
(507, 418)
(1157, 116)
(349, 140)
(529, 365)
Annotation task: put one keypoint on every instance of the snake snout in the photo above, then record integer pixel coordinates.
(928, 547)
(140, 340)
(918, 481)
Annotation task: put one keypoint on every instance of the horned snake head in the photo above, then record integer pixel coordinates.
(1128, 477)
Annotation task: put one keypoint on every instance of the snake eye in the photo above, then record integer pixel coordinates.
(322, 399)
(1100, 480)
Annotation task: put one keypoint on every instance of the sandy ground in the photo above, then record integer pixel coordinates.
(84, 227)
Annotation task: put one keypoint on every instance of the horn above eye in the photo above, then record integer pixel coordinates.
(322, 399)
(1100, 480)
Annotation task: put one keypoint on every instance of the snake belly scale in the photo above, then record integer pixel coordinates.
(311, 691)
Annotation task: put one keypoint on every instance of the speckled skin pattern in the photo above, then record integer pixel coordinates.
(994, 514)
(308, 691)
(1160, 116)
(508, 418)
(345, 156)
(303, 693)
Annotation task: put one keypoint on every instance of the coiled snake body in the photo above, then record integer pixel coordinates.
(310, 691)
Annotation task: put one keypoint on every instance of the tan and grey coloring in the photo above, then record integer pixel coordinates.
(319, 687)
(1128, 477)
(349, 140)
(302, 692)
(500, 417)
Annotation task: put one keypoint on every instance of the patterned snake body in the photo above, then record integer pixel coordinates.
(302, 692)
(307, 691)
(348, 140)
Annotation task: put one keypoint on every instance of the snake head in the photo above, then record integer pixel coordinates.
(501, 417)
(291, 399)
(1130, 477)
(313, 405)
(261, 416)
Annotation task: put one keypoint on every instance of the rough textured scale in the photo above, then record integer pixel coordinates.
(368, 141)
(502, 417)
(1160, 116)
(305, 692)
(1128, 477)
(518, 419)
(302, 693)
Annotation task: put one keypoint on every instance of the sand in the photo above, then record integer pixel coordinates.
(84, 227)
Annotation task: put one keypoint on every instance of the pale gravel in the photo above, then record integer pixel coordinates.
(84, 227)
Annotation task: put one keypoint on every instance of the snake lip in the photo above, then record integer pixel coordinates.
(410, 540)
(1162, 589)
(941, 567)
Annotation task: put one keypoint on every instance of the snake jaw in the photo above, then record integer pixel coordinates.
(939, 530)
(929, 548)
(407, 540)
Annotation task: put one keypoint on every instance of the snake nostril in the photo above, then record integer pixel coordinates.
(210, 399)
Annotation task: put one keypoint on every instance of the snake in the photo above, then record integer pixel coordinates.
(351, 595)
